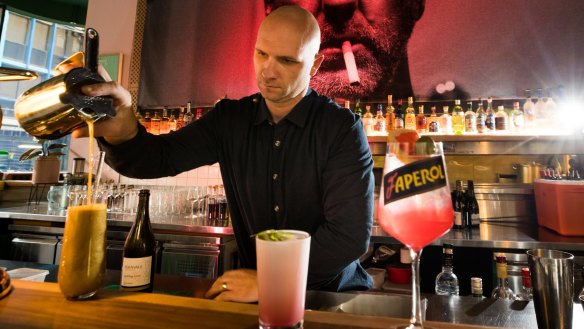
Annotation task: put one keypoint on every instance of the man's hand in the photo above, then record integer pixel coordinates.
(235, 286)
(122, 127)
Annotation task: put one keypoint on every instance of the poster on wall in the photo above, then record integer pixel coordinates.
(201, 51)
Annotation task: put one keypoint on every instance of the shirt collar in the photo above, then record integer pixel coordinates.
(297, 116)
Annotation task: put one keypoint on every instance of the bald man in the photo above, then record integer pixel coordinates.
(289, 158)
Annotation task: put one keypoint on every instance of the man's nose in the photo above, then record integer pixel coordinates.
(338, 11)
(268, 69)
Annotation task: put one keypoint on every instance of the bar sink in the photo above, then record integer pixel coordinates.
(362, 303)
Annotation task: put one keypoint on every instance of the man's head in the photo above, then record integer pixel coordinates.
(286, 54)
(378, 30)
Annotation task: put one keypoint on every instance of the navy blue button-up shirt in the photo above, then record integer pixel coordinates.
(312, 171)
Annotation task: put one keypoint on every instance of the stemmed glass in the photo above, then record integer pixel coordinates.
(415, 206)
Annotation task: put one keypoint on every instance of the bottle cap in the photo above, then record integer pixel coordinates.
(476, 282)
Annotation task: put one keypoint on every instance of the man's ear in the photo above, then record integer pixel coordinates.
(318, 59)
(418, 9)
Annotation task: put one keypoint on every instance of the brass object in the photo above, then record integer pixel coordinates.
(56, 107)
(12, 74)
(5, 286)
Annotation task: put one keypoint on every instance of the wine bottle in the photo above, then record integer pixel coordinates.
(139, 250)
(502, 290)
(459, 206)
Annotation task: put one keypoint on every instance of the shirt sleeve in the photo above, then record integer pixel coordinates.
(348, 186)
(154, 156)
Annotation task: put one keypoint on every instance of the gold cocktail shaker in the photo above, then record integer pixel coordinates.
(56, 107)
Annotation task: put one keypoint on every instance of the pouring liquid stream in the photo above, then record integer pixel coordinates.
(89, 176)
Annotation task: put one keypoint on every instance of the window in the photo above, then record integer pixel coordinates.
(36, 45)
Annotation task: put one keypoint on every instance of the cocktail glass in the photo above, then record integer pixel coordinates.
(415, 206)
(282, 269)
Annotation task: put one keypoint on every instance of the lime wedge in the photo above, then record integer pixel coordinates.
(424, 146)
(275, 235)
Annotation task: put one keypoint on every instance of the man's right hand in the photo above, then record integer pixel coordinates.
(122, 127)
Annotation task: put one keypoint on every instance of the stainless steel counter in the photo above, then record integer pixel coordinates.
(176, 224)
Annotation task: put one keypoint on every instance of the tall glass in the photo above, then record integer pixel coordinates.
(82, 266)
(415, 206)
(282, 269)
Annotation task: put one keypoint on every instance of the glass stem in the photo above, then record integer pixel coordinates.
(416, 320)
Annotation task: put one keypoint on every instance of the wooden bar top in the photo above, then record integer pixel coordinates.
(41, 305)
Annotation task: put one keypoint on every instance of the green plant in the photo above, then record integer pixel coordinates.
(46, 149)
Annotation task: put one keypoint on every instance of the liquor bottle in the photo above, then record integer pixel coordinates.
(430, 126)
(155, 124)
(528, 110)
(446, 121)
(550, 112)
(389, 114)
(517, 118)
(476, 287)
(139, 250)
(199, 114)
(399, 115)
(421, 120)
(358, 110)
(459, 206)
(172, 123)
(472, 205)
(368, 121)
(502, 290)
(490, 115)
(380, 128)
(470, 119)
(457, 118)
(410, 116)
(147, 121)
(139, 117)
(446, 281)
(526, 292)
(164, 127)
(481, 116)
(539, 110)
(501, 119)
(180, 120)
(189, 116)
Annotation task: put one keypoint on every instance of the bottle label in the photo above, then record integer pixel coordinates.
(136, 271)
(502, 270)
(414, 178)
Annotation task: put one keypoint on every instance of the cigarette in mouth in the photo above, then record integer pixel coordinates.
(350, 63)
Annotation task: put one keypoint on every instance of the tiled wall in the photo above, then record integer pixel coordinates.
(203, 176)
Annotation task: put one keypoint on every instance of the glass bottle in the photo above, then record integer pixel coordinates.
(399, 115)
(446, 120)
(164, 127)
(389, 114)
(155, 124)
(189, 116)
(199, 114)
(139, 250)
(517, 118)
(459, 206)
(528, 110)
(457, 118)
(481, 126)
(476, 287)
(501, 119)
(358, 110)
(526, 292)
(502, 290)
(180, 120)
(348, 105)
(539, 110)
(447, 281)
(490, 115)
(421, 120)
(410, 116)
(470, 120)
(368, 121)
(147, 121)
(472, 205)
(380, 121)
(172, 123)
(550, 112)
(433, 118)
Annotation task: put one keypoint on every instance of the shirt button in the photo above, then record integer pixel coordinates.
(276, 208)
(277, 143)
(275, 176)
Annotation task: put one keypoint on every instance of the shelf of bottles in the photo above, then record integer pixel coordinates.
(480, 127)
(165, 120)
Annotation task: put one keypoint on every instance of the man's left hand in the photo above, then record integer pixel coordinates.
(235, 286)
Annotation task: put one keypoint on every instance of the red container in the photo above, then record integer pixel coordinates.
(559, 206)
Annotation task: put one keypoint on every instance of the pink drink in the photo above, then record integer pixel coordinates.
(418, 220)
(282, 269)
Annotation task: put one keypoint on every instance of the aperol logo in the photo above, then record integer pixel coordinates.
(414, 178)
